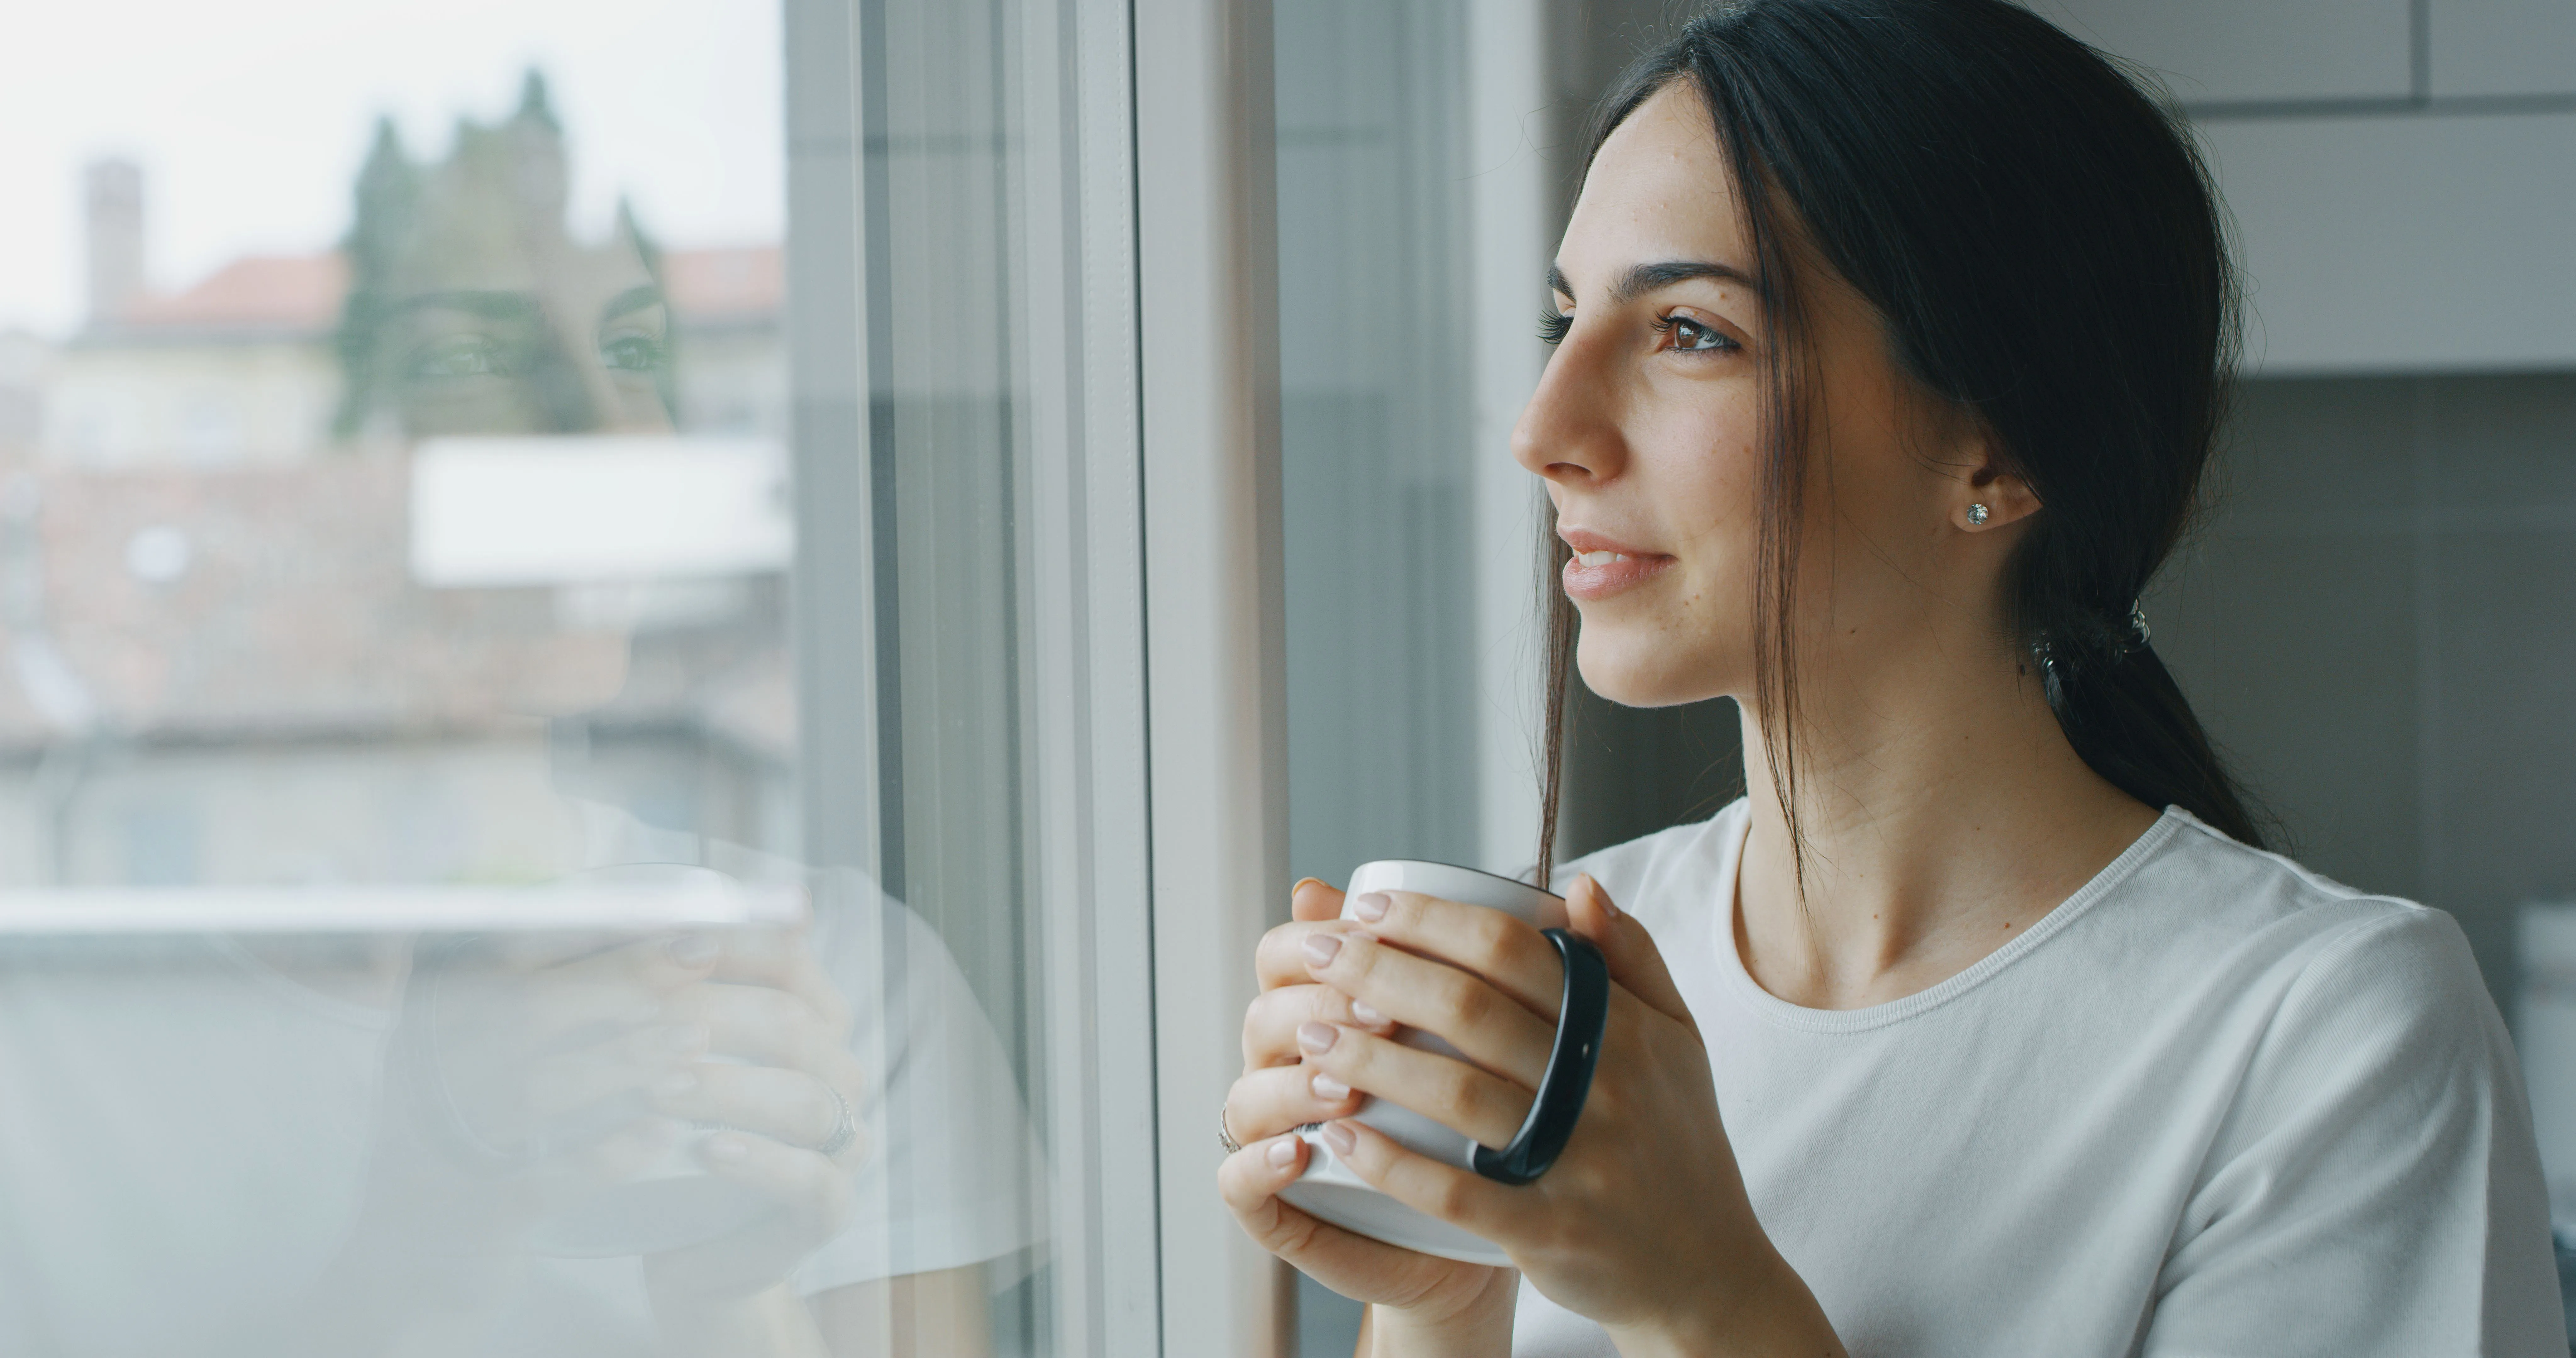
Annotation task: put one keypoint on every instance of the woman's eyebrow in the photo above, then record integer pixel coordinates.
(631, 300)
(1645, 278)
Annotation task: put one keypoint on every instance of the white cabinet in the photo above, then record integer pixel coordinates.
(2545, 1034)
(2241, 51)
(2404, 243)
(2503, 47)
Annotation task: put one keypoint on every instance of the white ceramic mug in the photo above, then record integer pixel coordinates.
(1328, 1188)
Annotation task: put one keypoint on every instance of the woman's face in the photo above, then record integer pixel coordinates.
(503, 341)
(1647, 426)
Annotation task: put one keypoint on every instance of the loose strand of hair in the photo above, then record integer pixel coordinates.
(1784, 480)
(1563, 629)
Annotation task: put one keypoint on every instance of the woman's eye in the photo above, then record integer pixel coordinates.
(633, 353)
(1691, 335)
(461, 356)
(1552, 326)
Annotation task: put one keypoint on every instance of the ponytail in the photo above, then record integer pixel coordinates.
(2129, 722)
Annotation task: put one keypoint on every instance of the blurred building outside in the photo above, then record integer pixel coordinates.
(222, 663)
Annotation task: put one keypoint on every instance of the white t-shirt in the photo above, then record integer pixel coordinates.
(2213, 1104)
(184, 1134)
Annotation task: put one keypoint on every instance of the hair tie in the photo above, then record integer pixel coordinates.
(2066, 653)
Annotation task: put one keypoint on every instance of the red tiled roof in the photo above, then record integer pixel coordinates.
(744, 281)
(256, 292)
(302, 293)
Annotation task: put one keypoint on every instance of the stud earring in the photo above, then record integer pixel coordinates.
(1976, 515)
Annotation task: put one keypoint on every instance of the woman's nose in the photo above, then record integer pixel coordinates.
(1567, 433)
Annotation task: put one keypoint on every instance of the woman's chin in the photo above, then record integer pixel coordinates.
(1643, 672)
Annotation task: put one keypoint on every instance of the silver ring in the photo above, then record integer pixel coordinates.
(845, 1129)
(1225, 1134)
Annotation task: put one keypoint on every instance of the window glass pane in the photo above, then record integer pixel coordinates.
(524, 785)
(1375, 434)
(1419, 159)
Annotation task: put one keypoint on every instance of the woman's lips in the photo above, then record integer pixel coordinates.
(1602, 568)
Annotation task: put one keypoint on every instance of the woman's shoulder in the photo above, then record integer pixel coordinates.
(2332, 948)
(2201, 866)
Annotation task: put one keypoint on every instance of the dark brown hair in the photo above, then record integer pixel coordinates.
(2041, 240)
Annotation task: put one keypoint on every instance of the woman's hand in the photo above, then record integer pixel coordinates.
(782, 1096)
(1279, 1092)
(572, 1067)
(1642, 1224)
(534, 1056)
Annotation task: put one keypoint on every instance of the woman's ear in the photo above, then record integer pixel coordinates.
(1990, 495)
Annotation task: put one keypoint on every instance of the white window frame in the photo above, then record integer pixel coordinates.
(1162, 819)
(1207, 220)
(1157, 563)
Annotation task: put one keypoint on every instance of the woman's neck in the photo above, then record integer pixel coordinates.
(1944, 813)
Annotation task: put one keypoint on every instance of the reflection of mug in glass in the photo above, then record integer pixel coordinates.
(1328, 1188)
(505, 1031)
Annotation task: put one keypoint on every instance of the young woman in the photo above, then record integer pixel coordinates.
(1891, 337)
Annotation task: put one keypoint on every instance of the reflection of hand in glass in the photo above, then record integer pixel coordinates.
(538, 1057)
(569, 1070)
(783, 1083)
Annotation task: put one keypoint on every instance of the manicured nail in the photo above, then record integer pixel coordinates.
(1321, 948)
(1301, 885)
(1601, 897)
(1341, 1138)
(1367, 1013)
(1329, 1089)
(1317, 1038)
(1282, 1152)
(692, 950)
(728, 1148)
(675, 1084)
(1371, 907)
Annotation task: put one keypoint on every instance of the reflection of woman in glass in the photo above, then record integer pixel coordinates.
(474, 312)
(851, 1087)
(1890, 341)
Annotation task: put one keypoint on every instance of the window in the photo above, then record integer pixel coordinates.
(646, 656)
(572, 755)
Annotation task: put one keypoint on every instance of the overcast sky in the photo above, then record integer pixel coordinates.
(249, 118)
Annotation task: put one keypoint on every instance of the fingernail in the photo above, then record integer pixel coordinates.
(727, 1148)
(1321, 948)
(1341, 1138)
(1316, 1037)
(1601, 897)
(1367, 1013)
(1301, 885)
(692, 950)
(1329, 1089)
(674, 1084)
(1282, 1152)
(1371, 907)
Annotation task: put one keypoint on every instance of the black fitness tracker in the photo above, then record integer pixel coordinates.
(1581, 1015)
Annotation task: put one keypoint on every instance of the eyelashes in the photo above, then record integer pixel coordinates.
(1689, 336)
